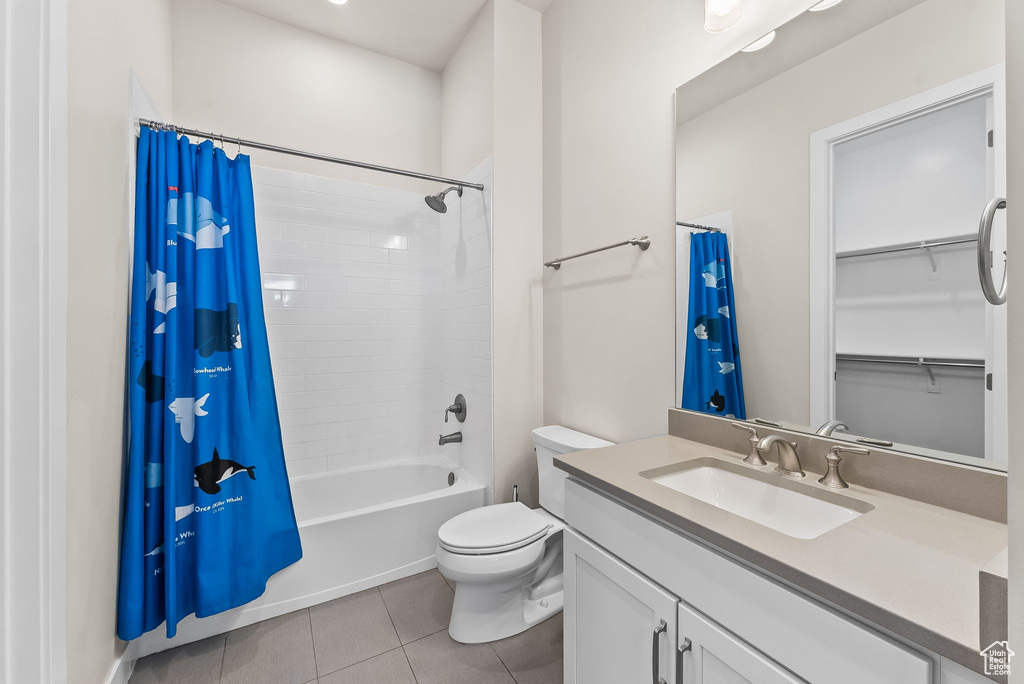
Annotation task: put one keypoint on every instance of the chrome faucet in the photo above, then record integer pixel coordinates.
(831, 426)
(789, 462)
(453, 438)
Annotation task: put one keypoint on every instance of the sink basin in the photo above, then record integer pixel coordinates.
(763, 498)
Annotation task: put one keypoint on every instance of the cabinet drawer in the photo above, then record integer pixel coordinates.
(711, 655)
(806, 637)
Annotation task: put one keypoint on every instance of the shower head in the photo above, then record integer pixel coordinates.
(436, 202)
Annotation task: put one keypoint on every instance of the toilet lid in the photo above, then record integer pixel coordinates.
(492, 529)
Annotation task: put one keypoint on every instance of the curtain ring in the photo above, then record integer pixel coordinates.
(239, 141)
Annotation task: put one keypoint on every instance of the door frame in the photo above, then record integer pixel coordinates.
(821, 267)
(33, 341)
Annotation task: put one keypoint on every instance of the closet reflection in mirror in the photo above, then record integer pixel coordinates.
(847, 168)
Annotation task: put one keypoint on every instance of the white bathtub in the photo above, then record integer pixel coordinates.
(359, 528)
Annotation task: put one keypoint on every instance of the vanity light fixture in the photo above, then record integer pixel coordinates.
(824, 5)
(337, 2)
(762, 42)
(720, 15)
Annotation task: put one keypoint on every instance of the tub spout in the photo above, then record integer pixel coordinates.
(455, 437)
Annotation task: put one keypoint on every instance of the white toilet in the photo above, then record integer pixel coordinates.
(506, 560)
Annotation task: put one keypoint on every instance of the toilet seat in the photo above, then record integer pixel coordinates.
(493, 529)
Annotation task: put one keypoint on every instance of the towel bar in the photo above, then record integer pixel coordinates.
(642, 242)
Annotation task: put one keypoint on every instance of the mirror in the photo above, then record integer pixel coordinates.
(830, 191)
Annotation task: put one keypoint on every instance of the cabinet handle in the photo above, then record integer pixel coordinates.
(656, 651)
(687, 645)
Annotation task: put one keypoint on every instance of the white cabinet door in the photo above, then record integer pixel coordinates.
(710, 655)
(618, 624)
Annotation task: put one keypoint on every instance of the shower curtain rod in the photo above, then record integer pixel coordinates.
(308, 155)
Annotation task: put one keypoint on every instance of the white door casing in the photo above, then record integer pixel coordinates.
(33, 339)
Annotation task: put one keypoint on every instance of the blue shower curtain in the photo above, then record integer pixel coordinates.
(208, 513)
(712, 378)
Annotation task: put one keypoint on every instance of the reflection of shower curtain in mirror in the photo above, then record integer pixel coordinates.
(712, 379)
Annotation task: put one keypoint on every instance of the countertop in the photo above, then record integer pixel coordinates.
(909, 567)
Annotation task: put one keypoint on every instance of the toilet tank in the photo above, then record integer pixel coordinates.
(550, 441)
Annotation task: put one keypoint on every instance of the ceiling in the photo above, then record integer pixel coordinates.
(422, 33)
(804, 37)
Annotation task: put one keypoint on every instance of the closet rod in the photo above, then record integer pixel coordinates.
(710, 229)
(911, 361)
(308, 155)
(908, 246)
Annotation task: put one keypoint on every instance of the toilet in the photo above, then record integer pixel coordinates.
(506, 559)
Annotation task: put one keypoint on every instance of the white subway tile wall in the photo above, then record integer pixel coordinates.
(378, 312)
(465, 306)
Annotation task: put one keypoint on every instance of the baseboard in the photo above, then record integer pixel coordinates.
(122, 670)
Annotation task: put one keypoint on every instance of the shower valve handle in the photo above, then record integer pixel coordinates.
(458, 409)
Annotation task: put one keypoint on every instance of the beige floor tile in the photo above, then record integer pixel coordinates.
(196, 663)
(351, 629)
(437, 659)
(419, 605)
(535, 656)
(276, 651)
(388, 668)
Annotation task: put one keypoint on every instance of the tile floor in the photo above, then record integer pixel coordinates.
(393, 634)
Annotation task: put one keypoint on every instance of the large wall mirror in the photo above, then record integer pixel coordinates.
(841, 235)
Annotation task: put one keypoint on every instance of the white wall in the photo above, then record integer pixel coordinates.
(610, 71)
(492, 105)
(467, 99)
(771, 212)
(242, 74)
(105, 40)
(1015, 319)
(518, 248)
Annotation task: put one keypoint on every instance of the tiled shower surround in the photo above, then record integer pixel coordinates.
(378, 311)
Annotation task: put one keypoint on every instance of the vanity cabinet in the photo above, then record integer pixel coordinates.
(626, 572)
(620, 626)
(709, 654)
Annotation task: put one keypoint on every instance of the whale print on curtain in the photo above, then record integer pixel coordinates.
(208, 514)
(712, 378)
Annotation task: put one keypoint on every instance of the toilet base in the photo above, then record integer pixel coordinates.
(485, 613)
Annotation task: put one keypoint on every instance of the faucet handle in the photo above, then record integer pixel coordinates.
(832, 478)
(754, 457)
(458, 408)
(744, 426)
(833, 453)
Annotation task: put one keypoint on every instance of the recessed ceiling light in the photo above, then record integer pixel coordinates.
(762, 42)
(337, 2)
(824, 5)
(720, 15)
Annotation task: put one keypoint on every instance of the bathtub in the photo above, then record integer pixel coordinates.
(359, 528)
